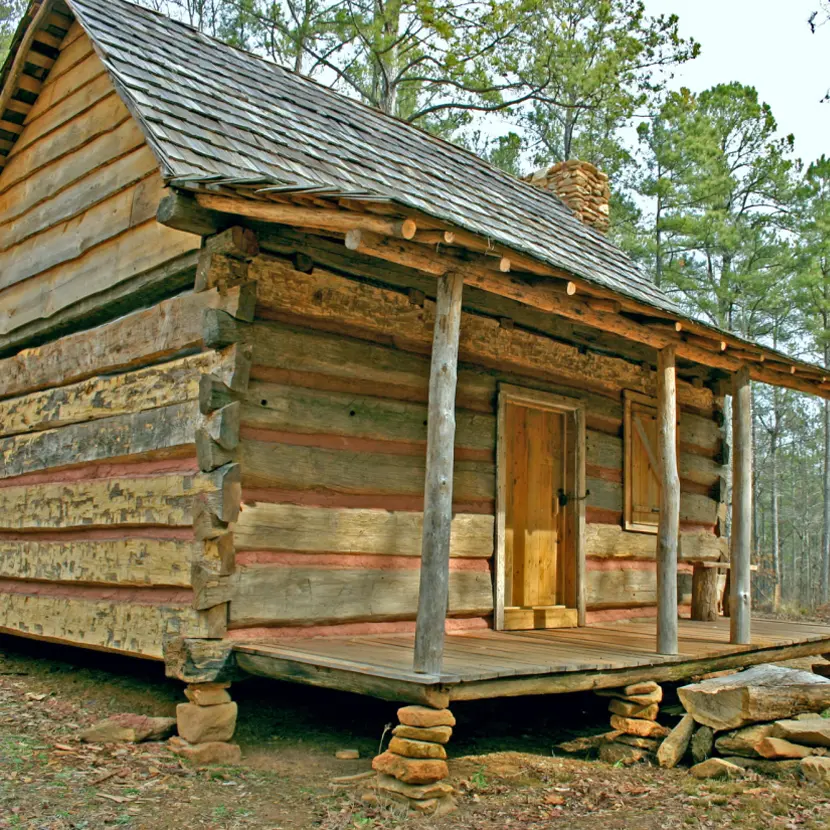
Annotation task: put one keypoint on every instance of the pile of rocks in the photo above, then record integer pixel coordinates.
(767, 719)
(130, 728)
(636, 734)
(206, 725)
(413, 768)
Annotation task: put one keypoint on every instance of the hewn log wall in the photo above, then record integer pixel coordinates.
(333, 435)
(101, 493)
(78, 197)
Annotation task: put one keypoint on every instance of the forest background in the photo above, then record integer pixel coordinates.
(708, 196)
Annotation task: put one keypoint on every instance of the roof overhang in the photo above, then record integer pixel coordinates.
(389, 231)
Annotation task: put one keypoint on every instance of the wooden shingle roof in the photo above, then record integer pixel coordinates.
(213, 113)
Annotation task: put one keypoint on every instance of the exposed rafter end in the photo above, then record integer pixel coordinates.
(341, 221)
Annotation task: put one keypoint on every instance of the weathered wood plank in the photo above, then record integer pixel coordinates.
(99, 119)
(294, 409)
(71, 169)
(140, 433)
(91, 190)
(302, 356)
(288, 527)
(694, 507)
(264, 595)
(125, 561)
(368, 311)
(63, 110)
(156, 500)
(114, 626)
(133, 252)
(625, 588)
(361, 682)
(109, 396)
(581, 681)
(606, 451)
(612, 542)
(267, 464)
(59, 85)
(139, 338)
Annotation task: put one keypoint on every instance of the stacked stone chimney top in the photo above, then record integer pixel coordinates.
(582, 187)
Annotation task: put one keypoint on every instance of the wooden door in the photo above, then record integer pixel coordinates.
(539, 552)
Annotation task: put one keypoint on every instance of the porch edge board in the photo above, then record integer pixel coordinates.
(564, 682)
(386, 688)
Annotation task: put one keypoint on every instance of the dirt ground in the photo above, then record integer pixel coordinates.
(503, 762)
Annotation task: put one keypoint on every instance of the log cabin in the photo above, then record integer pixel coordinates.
(289, 387)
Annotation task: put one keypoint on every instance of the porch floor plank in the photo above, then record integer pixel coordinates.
(486, 663)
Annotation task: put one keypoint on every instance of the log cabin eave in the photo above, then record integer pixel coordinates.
(351, 235)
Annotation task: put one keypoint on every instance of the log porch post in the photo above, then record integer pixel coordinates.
(435, 544)
(740, 542)
(668, 529)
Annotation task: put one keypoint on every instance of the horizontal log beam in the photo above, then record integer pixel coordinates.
(355, 531)
(139, 338)
(550, 298)
(307, 217)
(277, 595)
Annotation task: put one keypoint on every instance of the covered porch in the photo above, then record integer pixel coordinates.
(488, 663)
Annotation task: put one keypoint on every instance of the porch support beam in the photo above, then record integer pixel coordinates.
(668, 529)
(435, 544)
(741, 538)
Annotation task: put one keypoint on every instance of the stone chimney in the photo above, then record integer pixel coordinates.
(582, 187)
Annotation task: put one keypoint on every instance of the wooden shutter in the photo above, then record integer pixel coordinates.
(642, 465)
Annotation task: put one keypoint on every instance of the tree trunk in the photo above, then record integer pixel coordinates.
(669, 524)
(435, 544)
(825, 537)
(741, 541)
(774, 499)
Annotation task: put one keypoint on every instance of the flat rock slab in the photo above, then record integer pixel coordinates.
(390, 784)
(425, 717)
(617, 753)
(674, 747)
(202, 724)
(130, 728)
(816, 770)
(211, 752)
(627, 709)
(417, 749)
(775, 749)
(759, 694)
(435, 734)
(347, 754)
(641, 728)
(743, 741)
(715, 768)
(645, 699)
(410, 770)
(813, 731)
(649, 744)
(208, 694)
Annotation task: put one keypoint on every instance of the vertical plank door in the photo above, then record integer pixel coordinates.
(536, 531)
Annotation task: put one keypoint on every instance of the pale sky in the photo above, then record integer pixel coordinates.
(766, 44)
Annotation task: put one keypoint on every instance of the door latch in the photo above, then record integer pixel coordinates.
(565, 498)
